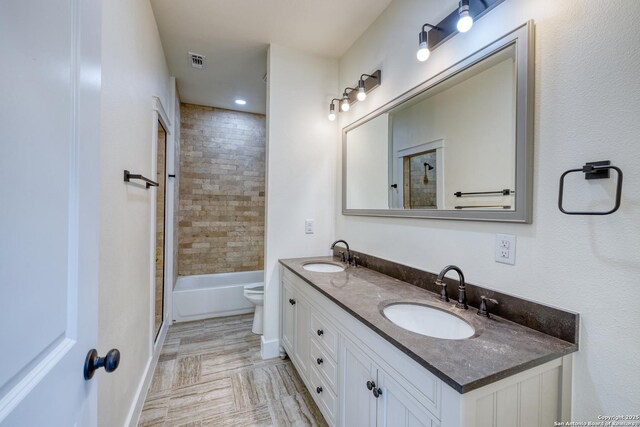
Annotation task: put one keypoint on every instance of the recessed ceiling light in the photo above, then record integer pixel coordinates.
(241, 101)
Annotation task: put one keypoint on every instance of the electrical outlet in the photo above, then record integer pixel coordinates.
(505, 251)
(309, 226)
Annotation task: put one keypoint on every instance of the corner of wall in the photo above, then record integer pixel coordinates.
(301, 162)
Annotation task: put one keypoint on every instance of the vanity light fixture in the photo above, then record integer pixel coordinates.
(465, 22)
(459, 21)
(366, 84)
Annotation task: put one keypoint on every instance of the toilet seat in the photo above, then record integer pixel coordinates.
(254, 290)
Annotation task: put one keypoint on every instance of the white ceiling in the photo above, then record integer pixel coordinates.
(234, 36)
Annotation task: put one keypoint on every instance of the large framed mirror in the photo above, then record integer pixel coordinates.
(458, 146)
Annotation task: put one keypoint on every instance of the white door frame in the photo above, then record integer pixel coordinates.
(160, 115)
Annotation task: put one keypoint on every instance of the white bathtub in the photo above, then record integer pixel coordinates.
(213, 295)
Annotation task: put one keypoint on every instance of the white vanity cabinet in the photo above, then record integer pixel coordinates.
(339, 358)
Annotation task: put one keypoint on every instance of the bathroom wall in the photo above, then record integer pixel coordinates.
(586, 109)
(133, 71)
(301, 166)
(222, 185)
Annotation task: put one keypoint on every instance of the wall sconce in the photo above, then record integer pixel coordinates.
(459, 21)
(366, 84)
(345, 104)
(332, 109)
(362, 89)
(423, 43)
(465, 21)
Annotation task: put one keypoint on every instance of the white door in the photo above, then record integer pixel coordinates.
(49, 182)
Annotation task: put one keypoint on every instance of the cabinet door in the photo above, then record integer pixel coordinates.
(358, 406)
(301, 340)
(288, 317)
(397, 408)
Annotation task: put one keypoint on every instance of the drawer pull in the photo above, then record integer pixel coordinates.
(292, 301)
(319, 360)
(320, 332)
(318, 390)
(371, 385)
(377, 392)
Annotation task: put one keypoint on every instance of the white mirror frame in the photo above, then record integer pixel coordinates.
(523, 39)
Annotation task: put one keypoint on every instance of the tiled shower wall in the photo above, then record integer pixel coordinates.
(222, 184)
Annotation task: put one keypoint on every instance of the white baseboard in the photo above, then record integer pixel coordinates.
(269, 349)
(141, 394)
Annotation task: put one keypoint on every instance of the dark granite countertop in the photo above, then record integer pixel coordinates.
(499, 348)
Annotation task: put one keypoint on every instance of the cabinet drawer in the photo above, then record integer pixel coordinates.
(325, 365)
(325, 334)
(324, 396)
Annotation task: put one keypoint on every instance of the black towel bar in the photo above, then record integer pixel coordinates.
(128, 176)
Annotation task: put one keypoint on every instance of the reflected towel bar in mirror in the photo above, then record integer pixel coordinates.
(128, 176)
(485, 207)
(505, 192)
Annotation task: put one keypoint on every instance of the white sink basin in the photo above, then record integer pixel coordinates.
(323, 267)
(428, 321)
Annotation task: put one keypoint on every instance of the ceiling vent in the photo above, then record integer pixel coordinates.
(197, 61)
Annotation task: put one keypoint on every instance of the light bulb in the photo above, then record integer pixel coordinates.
(345, 105)
(423, 52)
(361, 94)
(465, 22)
(332, 111)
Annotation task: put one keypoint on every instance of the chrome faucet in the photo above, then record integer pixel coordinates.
(462, 290)
(348, 257)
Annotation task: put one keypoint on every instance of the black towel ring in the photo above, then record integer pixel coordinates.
(593, 170)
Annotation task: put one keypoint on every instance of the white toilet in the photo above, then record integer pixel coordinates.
(255, 294)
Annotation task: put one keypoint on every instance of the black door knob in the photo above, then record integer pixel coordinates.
(110, 362)
(371, 385)
(292, 301)
(377, 392)
(318, 390)
(320, 332)
(319, 360)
